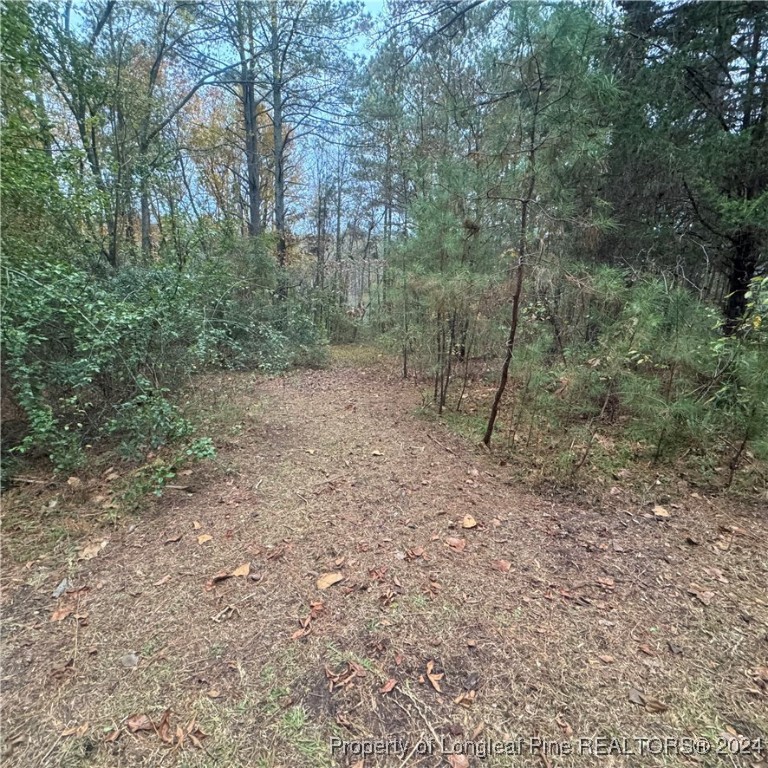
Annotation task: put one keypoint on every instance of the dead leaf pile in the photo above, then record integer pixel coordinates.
(173, 737)
(434, 677)
(346, 678)
(315, 609)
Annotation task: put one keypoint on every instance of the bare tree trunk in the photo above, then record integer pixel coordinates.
(520, 269)
(278, 138)
(146, 235)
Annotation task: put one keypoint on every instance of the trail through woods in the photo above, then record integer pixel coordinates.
(348, 569)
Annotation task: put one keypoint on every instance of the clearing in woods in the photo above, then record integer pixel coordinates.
(465, 611)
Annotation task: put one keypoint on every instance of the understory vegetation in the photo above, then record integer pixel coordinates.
(612, 369)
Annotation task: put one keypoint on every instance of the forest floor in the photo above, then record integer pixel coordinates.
(348, 576)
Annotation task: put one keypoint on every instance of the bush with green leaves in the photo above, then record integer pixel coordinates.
(92, 358)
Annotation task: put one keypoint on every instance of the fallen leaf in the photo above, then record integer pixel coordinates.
(112, 735)
(458, 545)
(74, 482)
(112, 476)
(162, 581)
(329, 579)
(654, 705)
(469, 522)
(675, 649)
(92, 550)
(173, 539)
(164, 728)
(704, 596)
(458, 761)
(62, 612)
(376, 453)
(242, 570)
(647, 650)
(606, 658)
(216, 579)
(203, 538)
(651, 705)
(434, 677)
(137, 723)
(79, 730)
(388, 686)
(660, 512)
(502, 565)
(214, 694)
(197, 526)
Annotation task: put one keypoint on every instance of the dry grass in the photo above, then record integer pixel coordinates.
(331, 471)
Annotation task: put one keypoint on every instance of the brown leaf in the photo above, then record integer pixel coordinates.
(62, 612)
(329, 579)
(469, 522)
(137, 723)
(434, 677)
(197, 526)
(458, 761)
(636, 697)
(647, 650)
(458, 545)
(203, 538)
(173, 539)
(74, 482)
(704, 596)
(216, 579)
(654, 705)
(606, 658)
(242, 570)
(660, 512)
(388, 686)
(502, 565)
(214, 694)
(79, 730)
(164, 728)
(162, 581)
(92, 550)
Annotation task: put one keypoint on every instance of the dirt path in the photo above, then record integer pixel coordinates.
(545, 619)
